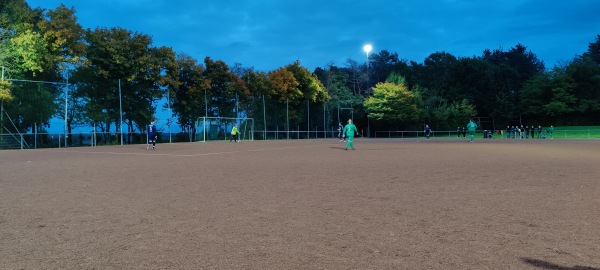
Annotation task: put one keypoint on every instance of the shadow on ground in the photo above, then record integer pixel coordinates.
(548, 265)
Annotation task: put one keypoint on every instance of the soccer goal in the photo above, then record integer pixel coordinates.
(219, 128)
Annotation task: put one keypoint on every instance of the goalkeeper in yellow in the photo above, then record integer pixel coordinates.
(349, 130)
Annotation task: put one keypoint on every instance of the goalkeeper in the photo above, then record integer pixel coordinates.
(349, 130)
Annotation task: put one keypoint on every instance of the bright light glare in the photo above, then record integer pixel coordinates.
(368, 48)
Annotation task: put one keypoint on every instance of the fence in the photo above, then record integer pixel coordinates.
(558, 134)
(56, 140)
(412, 134)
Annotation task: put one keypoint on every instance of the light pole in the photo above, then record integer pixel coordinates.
(367, 48)
(66, 108)
(121, 111)
(2, 109)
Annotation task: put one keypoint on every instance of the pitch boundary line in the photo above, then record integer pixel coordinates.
(187, 155)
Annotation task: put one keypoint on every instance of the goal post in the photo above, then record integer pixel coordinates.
(219, 128)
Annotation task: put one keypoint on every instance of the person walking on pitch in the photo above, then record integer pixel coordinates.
(234, 133)
(471, 129)
(152, 135)
(341, 132)
(349, 133)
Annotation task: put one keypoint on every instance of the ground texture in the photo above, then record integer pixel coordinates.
(304, 204)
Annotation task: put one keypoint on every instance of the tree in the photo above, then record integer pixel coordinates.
(260, 89)
(224, 85)
(308, 84)
(65, 43)
(24, 56)
(310, 89)
(382, 64)
(5, 91)
(355, 77)
(459, 112)
(594, 50)
(64, 36)
(284, 88)
(27, 50)
(395, 103)
(121, 59)
(337, 88)
(284, 85)
(584, 78)
(188, 89)
(436, 72)
(509, 72)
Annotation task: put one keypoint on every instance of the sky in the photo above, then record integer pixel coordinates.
(268, 34)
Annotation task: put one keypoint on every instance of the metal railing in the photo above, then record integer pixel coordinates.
(56, 140)
(557, 134)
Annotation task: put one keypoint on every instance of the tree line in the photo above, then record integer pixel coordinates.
(47, 58)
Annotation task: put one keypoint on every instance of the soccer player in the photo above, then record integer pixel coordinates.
(427, 131)
(152, 135)
(349, 130)
(234, 133)
(471, 129)
(341, 132)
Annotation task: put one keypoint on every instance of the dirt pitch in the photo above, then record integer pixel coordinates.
(304, 204)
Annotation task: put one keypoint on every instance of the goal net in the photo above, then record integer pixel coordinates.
(219, 128)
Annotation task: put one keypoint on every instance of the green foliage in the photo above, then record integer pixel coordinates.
(548, 96)
(118, 56)
(335, 82)
(584, 75)
(64, 36)
(394, 103)
(225, 85)
(308, 84)
(5, 94)
(188, 88)
(382, 64)
(594, 50)
(28, 49)
(284, 85)
(31, 105)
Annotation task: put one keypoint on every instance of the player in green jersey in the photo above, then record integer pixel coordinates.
(349, 131)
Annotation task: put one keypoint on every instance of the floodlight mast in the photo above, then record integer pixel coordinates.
(367, 48)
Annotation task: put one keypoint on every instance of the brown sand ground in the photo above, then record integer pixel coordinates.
(304, 204)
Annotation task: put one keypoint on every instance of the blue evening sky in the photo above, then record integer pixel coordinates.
(268, 34)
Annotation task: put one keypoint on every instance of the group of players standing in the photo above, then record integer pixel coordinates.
(526, 132)
(514, 132)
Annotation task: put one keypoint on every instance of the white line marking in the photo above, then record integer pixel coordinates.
(190, 155)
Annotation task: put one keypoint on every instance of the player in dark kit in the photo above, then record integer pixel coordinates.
(152, 136)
